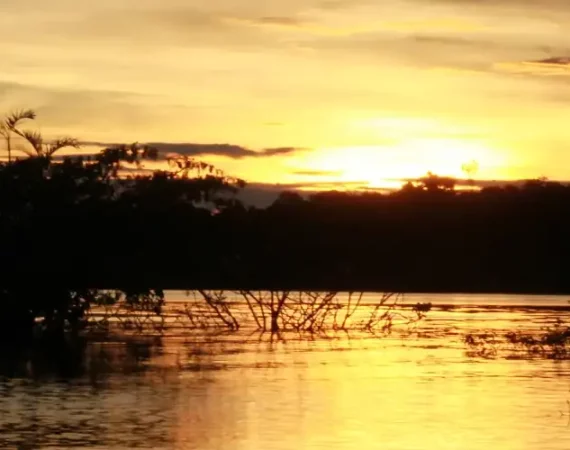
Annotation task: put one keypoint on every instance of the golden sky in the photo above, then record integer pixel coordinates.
(324, 91)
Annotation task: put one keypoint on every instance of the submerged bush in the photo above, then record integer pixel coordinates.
(551, 342)
(267, 311)
(51, 312)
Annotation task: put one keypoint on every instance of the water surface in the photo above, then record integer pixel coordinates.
(248, 391)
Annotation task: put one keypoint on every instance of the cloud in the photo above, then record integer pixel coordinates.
(437, 24)
(560, 61)
(298, 28)
(317, 173)
(525, 8)
(418, 51)
(436, 44)
(194, 149)
(280, 21)
(75, 108)
(554, 66)
(451, 40)
(169, 25)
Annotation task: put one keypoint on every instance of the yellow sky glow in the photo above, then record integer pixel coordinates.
(369, 91)
(376, 166)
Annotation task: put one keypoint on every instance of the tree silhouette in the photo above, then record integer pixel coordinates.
(34, 139)
(432, 183)
(129, 219)
(470, 169)
(9, 125)
(111, 197)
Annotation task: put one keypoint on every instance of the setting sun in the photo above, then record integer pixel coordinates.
(389, 166)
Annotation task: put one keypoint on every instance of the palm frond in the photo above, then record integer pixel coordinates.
(15, 117)
(58, 144)
(34, 138)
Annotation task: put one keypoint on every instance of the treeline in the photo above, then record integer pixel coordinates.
(87, 222)
(425, 237)
(69, 229)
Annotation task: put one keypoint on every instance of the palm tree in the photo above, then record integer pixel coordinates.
(470, 168)
(39, 148)
(9, 124)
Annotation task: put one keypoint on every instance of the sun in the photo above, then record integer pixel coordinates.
(388, 166)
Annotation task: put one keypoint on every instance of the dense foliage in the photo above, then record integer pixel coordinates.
(71, 224)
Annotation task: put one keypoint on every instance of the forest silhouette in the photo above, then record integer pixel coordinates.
(71, 225)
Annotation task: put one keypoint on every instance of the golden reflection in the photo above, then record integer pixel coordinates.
(370, 395)
(253, 392)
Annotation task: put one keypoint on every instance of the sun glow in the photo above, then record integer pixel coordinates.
(388, 166)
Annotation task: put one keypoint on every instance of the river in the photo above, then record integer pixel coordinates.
(417, 390)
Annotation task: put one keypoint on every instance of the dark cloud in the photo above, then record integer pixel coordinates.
(228, 150)
(195, 149)
(557, 69)
(555, 61)
(277, 151)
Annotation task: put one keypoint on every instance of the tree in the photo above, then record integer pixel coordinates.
(433, 183)
(42, 200)
(289, 199)
(470, 169)
(9, 125)
(33, 139)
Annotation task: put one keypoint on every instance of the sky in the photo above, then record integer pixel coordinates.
(311, 93)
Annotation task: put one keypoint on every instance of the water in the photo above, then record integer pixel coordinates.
(246, 391)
